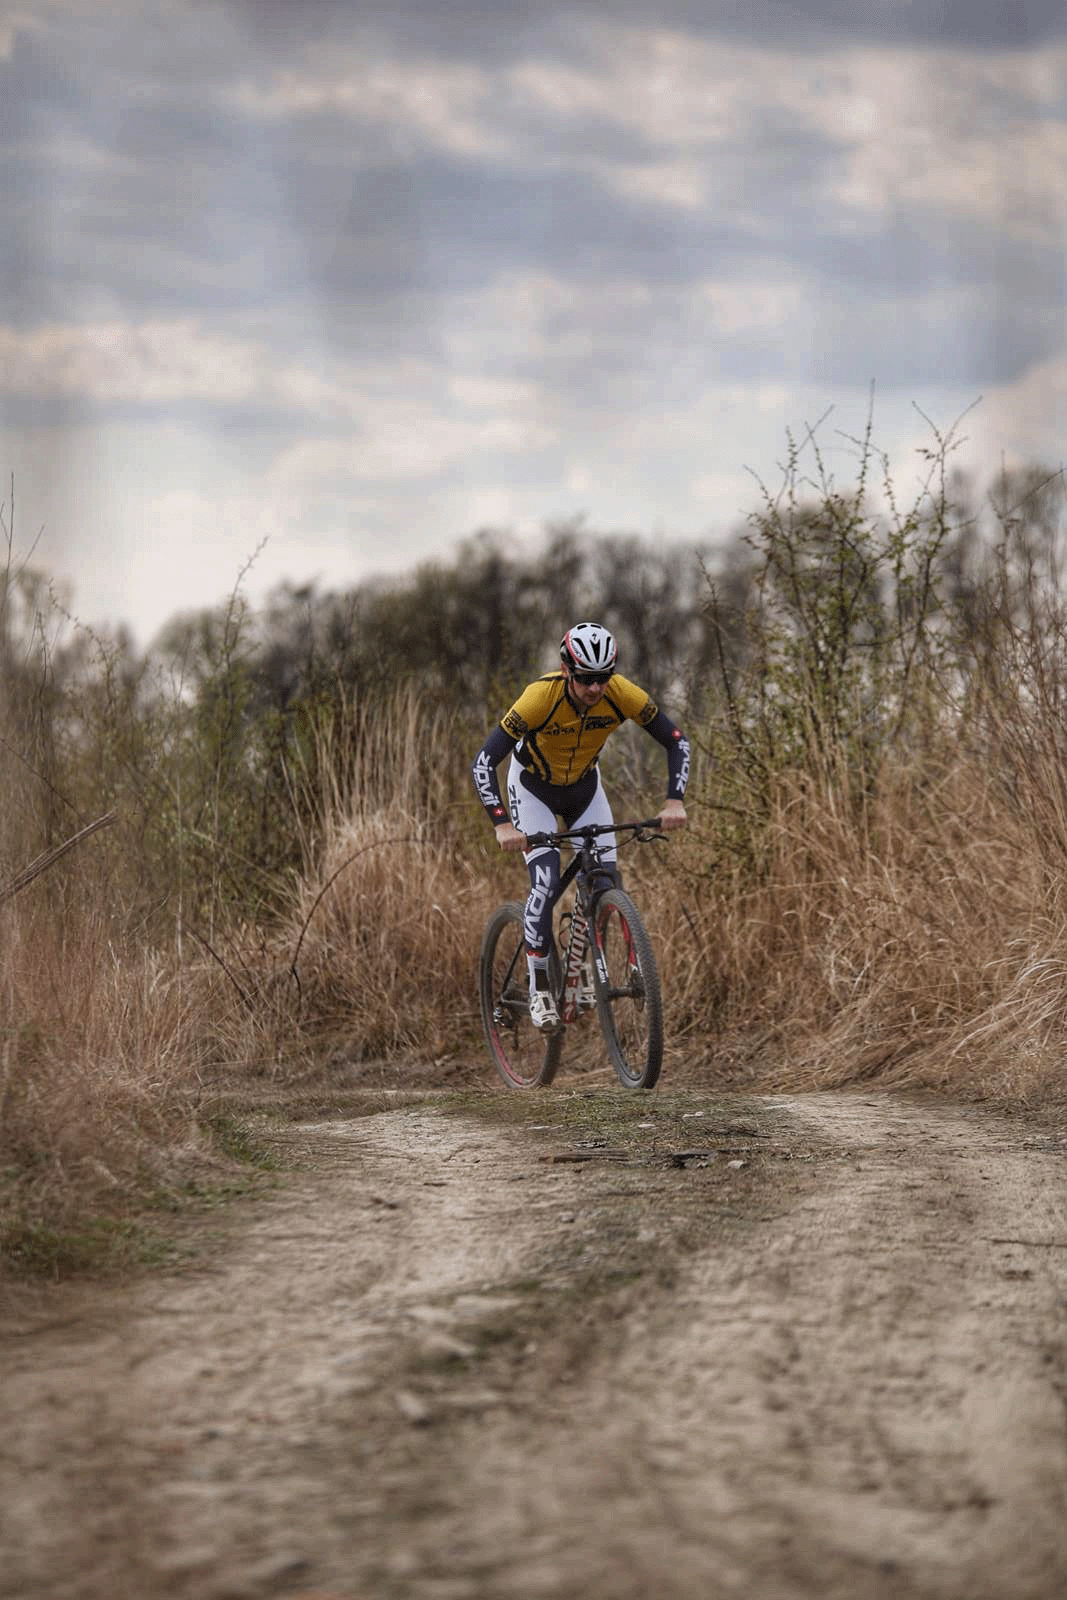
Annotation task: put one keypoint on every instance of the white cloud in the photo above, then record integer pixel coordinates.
(1027, 419)
(87, 157)
(488, 393)
(528, 392)
(402, 419)
(419, 104)
(767, 307)
(159, 362)
(972, 134)
(406, 441)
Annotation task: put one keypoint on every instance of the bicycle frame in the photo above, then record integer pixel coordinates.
(606, 927)
(580, 871)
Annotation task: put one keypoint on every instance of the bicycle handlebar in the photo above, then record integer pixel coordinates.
(645, 831)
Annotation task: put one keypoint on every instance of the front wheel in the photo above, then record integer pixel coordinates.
(524, 1058)
(628, 999)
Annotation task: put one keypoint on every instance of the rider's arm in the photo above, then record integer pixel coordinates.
(676, 745)
(498, 745)
(632, 701)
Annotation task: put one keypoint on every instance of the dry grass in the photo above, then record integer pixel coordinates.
(110, 1051)
(920, 941)
(918, 938)
(384, 965)
(379, 939)
(100, 1058)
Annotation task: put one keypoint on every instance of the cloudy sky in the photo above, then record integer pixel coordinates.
(334, 283)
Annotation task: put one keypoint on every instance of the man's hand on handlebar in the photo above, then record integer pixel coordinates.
(508, 837)
(672, 816)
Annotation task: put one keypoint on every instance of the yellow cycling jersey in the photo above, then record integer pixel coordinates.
(560, 742)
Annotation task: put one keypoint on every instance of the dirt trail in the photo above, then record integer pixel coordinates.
(806, 1346)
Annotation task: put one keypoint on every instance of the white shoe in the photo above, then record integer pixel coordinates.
(543, 1010)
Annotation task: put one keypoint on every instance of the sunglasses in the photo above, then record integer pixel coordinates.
(592, 677)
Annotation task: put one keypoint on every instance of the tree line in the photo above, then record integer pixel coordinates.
(832, 626)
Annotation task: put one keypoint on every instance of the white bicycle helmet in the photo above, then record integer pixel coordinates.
(588, 647)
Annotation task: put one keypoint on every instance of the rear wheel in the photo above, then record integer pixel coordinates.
(628, 999)
(524, 1057)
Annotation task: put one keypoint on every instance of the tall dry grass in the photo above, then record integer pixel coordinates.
(380, 942)
(919, 940)
(914, 936)
(106, 1046)
(906, 926)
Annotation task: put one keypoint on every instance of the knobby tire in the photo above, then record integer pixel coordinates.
(524, 1057)
(628, 998)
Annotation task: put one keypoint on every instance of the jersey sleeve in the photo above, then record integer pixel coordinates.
(632, 701)
(499, 744)
(531, 709)
(676, 745)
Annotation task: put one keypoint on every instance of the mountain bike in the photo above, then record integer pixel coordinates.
(602, 939)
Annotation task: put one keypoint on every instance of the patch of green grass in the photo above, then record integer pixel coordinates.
(233, 1138)
(94, 1245)
(206, 1194)
(321, 1104)
(619, 1119)
(40, 1237)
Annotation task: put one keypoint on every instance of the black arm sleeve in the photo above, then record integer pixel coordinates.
(498, 745)
(676, 745)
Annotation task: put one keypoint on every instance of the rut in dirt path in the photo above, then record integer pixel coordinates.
(444, 1361)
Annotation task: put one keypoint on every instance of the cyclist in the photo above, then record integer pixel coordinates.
(554, 734)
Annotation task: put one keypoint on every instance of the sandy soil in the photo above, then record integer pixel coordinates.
(670, 1346)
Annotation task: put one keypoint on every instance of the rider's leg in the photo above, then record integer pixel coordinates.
(531, 815)
(543, 867)
(598, 811)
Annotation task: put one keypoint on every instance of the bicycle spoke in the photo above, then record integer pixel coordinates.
(628, 993)
(524, 1058)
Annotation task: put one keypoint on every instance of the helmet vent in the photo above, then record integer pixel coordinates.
(589, 647)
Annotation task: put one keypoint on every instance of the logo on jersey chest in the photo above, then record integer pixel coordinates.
(557, 729)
